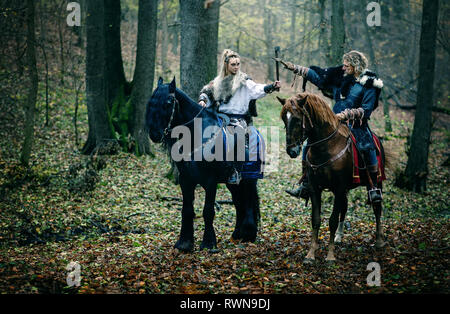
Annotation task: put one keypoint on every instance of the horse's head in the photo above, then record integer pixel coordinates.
(297, 122)
(160, 110)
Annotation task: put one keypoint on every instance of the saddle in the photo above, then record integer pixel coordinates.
(358, 162)
(254, 155)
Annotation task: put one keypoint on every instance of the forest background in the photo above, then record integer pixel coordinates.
(118, 215)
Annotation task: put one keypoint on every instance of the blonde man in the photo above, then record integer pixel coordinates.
(356, 91)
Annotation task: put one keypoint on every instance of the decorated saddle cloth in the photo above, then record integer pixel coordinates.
(249, 149)
(358, 161)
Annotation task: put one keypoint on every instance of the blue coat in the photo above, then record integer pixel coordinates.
(350, 94)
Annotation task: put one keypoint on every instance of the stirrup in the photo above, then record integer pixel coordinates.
(375, 195)
(235, 178)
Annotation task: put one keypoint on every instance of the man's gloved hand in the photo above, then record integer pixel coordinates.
(341, 116)
(287, 65)
(351, 114)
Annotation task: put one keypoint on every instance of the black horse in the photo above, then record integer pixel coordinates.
(170, 107)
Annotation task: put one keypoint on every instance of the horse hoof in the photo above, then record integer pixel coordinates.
(248, 233)
(184, 246)
(235, 237)
(309, 261)
(208, 246)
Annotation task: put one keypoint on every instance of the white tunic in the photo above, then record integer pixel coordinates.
(238, 103)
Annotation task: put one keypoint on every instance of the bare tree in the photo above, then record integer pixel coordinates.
(100, 132)
(144, 72)
(417, 167)
(30, 108)
(337, 31)
(199, 34)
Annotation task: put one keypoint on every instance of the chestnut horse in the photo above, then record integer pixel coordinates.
(329, 162)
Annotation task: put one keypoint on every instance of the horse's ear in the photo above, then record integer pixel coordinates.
(172, 86)
(160, 80)
(303, 101)
(281, 100)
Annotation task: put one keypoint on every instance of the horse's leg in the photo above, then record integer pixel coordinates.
(379, 241)
(315, 222)
(237, 201)
(343, 212)
(340, 202)
(249, 227)
(186, 241)
(209, 236)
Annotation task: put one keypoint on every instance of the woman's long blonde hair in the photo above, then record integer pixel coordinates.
(238, 78)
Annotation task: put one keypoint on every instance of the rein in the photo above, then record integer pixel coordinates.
(325, 139)
(169, 127)
(176, 104)
(331, 160)
(329, 137)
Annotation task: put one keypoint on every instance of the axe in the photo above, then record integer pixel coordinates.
(277, 64)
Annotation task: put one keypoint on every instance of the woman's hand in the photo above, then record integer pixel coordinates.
(202, 103)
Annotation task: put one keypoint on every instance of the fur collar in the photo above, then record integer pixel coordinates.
(222, 89)
(370, 79)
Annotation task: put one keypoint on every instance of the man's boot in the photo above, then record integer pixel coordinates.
(302, 191)
(375, 195)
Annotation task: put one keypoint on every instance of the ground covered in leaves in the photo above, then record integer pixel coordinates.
(119, 217)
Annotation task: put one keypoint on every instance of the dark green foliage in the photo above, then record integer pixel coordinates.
(119, 117)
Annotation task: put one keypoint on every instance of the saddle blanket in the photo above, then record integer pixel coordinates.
(230, 144)
(358, 161)
(253, 167)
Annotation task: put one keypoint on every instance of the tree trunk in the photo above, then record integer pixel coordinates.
(337, 31)
(114, 75)
(99, 129)
(290, 76)
(144, 72)
(175, 32)
(61, 25)
(268, 17)
(30, 108)
(387, 118)
(165, 69)
(198, 53)
(43, 8)
(323, 42)
(417, 166)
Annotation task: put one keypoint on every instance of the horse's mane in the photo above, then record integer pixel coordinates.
(317, 108)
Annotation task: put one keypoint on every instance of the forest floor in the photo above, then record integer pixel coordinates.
(120, 223)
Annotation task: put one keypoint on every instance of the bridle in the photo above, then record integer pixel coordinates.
(304, 136)
(175, 107)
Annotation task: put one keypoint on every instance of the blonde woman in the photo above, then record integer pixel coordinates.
(231, 92)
